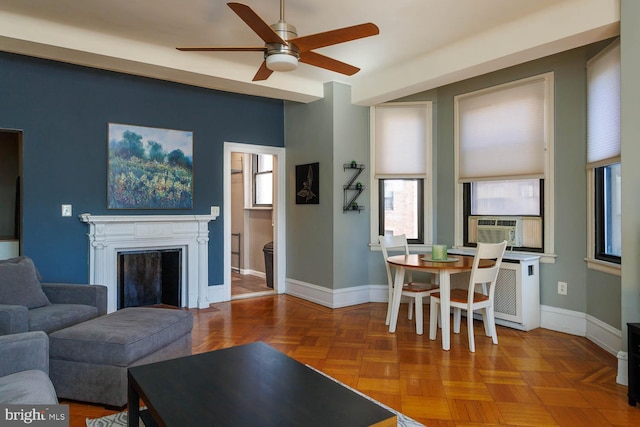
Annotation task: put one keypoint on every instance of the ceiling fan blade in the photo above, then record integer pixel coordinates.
(223, 49)
(263, 72)
(332, 37)
(313, 58)
(256, 23)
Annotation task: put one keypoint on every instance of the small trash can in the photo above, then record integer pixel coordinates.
(268, 263)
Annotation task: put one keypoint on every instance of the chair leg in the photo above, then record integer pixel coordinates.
(457, 315)
(472, 344)
(433, 318)
(492, 324)
(485, 321)
(418, 309)
(389, 307)
(410, 308)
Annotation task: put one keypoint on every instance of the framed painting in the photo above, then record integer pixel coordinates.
(308, 184)
(149, 168)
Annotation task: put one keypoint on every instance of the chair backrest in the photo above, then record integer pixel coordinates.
(392, 243)
(488, 275)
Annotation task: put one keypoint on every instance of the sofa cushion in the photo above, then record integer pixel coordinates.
(31, 387)
(122, 337)
(19, 284)
(18, 259)
(52, 317)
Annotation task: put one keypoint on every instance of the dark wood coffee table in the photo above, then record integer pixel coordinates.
(248, 385)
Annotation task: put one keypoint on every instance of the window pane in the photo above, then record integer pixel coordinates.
(264, 193)
(402, 201)
(265, 163)
(518, 197)
(612, 211)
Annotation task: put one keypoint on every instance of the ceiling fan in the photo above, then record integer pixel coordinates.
(283, 48)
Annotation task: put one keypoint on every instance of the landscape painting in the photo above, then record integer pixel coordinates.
(149, 168)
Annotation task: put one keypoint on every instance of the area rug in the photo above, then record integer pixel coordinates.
(115, 420)
(120, 419)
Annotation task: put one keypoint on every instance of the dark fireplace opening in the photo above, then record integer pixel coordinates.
(150, 277)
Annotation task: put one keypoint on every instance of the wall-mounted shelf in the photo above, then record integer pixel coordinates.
(352, 189)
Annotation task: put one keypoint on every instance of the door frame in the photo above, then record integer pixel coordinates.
(279, 212)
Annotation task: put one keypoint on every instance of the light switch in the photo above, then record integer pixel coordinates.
(215, 210)
(66, 210)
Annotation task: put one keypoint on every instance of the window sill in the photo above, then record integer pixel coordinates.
(259, 208)
(604, 267)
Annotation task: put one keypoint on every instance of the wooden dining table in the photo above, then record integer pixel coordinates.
(444, 270)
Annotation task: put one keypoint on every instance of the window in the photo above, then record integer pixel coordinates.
(603, 157)
(503, 141)
(608, 224)
(508, 197)
(401, 144)
(262, 165)
(401, 209)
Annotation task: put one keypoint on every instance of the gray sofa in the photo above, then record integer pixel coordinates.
(24, 371)
(28, 305)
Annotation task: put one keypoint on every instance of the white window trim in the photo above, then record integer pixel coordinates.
(549, 210)
(428, 180)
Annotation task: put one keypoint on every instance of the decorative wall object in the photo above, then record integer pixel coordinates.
(149, 168)
(352, 189)
(308, 184)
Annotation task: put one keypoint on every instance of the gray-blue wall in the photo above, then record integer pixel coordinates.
(63, 111)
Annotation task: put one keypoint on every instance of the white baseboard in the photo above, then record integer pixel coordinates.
(329, 297)
(623, 368)
(561, 320)
(216, 294)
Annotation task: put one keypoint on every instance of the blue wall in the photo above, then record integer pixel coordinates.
(63, 111)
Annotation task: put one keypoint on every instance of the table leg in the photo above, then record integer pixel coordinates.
(445, 307)
(397, 296)
(133, 405)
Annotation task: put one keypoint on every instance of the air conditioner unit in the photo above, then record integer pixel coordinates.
(497, 229)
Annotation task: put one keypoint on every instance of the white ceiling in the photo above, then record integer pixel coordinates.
(422, 43)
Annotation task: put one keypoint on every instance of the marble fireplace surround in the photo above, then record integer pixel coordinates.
(111, 234)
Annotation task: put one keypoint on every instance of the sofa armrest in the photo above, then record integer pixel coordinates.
(22, 352)
(13, 319)
(66, 293)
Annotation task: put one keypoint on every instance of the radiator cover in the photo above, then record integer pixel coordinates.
(517, 297)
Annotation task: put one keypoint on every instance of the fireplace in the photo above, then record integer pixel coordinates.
(150, 278)
(111, 235)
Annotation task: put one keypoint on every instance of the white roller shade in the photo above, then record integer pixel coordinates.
(501, 132)
(603, 107)
(400, 135)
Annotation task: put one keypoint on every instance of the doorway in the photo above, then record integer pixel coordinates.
(10, 193)
(254, 225)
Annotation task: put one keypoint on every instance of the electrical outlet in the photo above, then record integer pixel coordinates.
(562, 288)
(215, 210)
(66, 210)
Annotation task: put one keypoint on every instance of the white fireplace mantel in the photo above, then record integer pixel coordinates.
(112, 234)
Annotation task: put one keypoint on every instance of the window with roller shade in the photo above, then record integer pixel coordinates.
(503, 144)
(401, 144)
(603, 155)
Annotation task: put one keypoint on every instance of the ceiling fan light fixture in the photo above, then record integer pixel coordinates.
(282, 62)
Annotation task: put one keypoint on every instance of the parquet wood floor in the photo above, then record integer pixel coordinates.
(530, 378)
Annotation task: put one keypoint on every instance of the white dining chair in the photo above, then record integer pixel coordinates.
(470, 300)
(416, 291)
